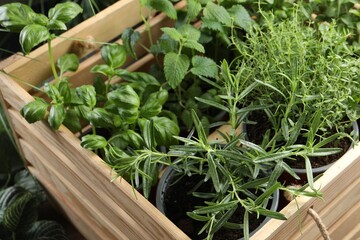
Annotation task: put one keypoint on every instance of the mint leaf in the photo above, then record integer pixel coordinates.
(194, 45)
(203, 66)
(164, 6)
(218, 13)
(175, 68)
(193, 8)
(172, 33)
(241, 17)
(189, 32)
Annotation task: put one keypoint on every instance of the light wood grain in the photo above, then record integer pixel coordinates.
(341, 189)
(103, 27)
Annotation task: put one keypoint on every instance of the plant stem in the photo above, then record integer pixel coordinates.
(52, 62)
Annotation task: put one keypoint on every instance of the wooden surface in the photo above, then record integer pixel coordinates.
(339, 208)
(101, 209)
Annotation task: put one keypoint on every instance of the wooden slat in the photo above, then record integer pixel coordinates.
(340, 176)
(77, 191)
(103, 27)
(146, 216)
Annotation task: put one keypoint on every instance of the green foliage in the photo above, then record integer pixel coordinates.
(19, 204)
(35, 28)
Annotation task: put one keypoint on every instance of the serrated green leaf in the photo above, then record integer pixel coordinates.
(114, 55)
(56, 116)
(15, 16)
(212, 25)
(164, 6)
(172, 33)
(241, 17)
(32, 35)
(175, 68)
(130, 38)
(193, 9)
(203, 66)
(217, 13)
(189, 32)
(34, 111)
(64, 12)
(46, 230)
(194, 45)
(93, 142)
(68, 63)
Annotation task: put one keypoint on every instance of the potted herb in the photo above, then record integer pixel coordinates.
(136, 124)
(310, 78)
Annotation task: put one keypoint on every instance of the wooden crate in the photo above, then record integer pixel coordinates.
(80, 182)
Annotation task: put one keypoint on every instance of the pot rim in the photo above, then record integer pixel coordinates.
(165, 178)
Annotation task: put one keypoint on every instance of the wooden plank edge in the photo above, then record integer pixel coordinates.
(347, 163)
(71, 196)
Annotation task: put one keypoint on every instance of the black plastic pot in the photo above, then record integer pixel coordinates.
(166, 181)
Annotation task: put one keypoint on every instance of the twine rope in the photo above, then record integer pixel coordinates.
(320, 224)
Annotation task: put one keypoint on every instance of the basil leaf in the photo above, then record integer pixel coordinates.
(32, 35)
(56, 25)
(64, 12)
(87, 94)
(64, 90)
(99, 117)
(165, 129)
(139, 77)
(127, 102)
(126, 138)
(93, 142)
(72, 120)
(114, 55)
(103, 69)
(35, 110)
(53, 92)
(56, 116)
(130, 37)
(68, 63)
(15, 16)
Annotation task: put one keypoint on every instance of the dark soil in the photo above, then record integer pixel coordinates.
(255, 133)
(178, 201)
